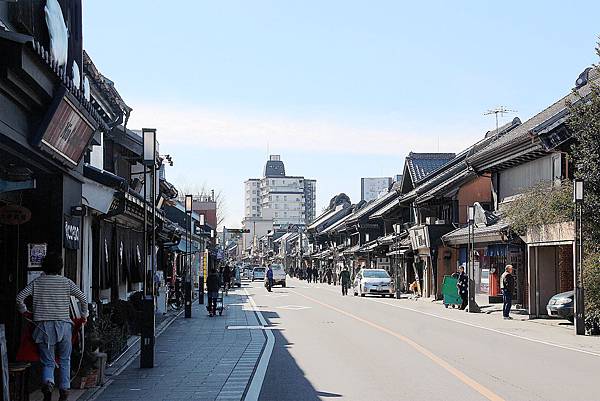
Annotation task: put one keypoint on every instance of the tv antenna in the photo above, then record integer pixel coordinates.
(498, 110)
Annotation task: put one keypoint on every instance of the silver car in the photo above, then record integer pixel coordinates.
(373, 282)
(258, 273)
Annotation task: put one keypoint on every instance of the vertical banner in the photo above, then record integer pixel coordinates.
(4, 364)
(205, 264)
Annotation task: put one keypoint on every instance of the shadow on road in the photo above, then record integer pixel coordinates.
(285, 381)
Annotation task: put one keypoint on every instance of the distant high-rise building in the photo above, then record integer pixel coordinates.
(290, 199)
(372, 187)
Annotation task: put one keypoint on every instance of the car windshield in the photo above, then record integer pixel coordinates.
(375, 274)
(259, 269)
(276, 267)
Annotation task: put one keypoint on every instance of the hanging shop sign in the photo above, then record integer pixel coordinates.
(66, 130)
(35, 255)
(419, 237)
(72, 232)
(13, 215)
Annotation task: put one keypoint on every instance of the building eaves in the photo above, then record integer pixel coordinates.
(374, 205)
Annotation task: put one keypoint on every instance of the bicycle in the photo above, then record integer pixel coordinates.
(175, 295)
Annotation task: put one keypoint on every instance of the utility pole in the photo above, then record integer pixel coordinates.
(472, 305)
(579, 319)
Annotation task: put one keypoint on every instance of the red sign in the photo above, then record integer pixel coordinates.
(68, 131)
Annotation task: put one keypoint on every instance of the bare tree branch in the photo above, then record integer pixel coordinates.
(201, 192)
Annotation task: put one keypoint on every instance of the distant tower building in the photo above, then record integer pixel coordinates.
(290, 199)
(371, 188)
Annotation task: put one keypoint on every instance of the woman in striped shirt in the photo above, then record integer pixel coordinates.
(51, 294)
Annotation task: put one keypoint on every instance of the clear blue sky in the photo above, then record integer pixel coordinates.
(341, 89)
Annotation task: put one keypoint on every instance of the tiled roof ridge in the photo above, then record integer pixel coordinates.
(430, 155)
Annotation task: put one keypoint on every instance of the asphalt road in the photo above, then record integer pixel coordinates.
(330, 347)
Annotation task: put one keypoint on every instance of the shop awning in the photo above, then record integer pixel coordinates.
(97, 196)
(183, 247)
(352, 250)
(495, 232)
(369, 247)
(398, 252)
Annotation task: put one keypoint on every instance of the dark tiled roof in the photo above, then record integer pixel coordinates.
(420, 165)
(504, 128)
(524, 132)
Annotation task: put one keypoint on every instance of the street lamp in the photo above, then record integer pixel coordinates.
(397, 230)
(147, 329)
(187, 290)
(473, 307)
(578, 262)
(201, 279)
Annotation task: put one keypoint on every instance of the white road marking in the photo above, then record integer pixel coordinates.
(251, 328)
(506, 333)
(293, 307)
(263, 363)
(551, 344)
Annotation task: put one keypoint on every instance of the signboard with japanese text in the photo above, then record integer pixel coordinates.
(72, 232)
(66, 130)
(35, 255)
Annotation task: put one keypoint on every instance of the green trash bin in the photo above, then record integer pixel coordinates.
(450, 292)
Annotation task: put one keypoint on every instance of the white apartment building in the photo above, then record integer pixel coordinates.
(372, 187)
(291, 199)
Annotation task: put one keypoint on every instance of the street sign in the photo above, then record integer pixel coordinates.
(238, 230)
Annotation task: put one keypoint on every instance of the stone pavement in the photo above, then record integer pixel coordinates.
(197, 358)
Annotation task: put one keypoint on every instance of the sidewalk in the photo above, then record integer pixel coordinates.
(197, 358)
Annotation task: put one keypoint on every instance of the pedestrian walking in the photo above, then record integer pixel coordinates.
(227, 278)
(328, 275)
(345, 280)
(51, 293)
(463, 287)
(507, 285)
(269, 278)
(308, 275)
(212, 288)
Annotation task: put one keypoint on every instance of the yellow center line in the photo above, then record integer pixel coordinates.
(480, 388)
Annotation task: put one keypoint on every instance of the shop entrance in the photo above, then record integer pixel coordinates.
(551, 272)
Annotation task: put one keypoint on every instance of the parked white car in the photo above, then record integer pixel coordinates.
(373, 282)
(279, 275)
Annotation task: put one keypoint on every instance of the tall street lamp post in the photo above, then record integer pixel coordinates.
(201, 279)
(187, 286)
(578, 262)
(397, 230)
(473, 307)
(147, 328)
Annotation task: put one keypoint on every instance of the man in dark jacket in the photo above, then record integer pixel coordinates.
(507, 285)
(463, 287)
(345, 280)
(212, 288)
(227, 277)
